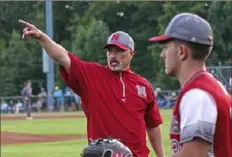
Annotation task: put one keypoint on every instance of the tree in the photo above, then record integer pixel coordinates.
(88, 40)
(6, 79)
(12, 11)
(83, 28)
(22, 59)
(170, 10)
(220, 16)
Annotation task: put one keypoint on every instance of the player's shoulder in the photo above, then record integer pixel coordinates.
(199, 96)
(195, 91)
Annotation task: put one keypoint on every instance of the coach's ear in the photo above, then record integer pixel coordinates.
(198, 148)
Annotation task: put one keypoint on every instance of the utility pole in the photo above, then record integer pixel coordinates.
(48, 65)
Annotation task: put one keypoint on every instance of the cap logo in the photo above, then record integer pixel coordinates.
(115, 37)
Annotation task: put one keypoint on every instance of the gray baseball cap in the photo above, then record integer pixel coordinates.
(121, 40)
(188, 27)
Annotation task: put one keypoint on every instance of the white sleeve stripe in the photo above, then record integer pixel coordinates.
(201, 129)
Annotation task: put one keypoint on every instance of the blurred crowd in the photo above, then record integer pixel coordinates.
(164, 100)
(64, 100)
(67, 100)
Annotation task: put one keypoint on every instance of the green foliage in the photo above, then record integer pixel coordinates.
(5, 81)
(83, 28)
(22, 59)
(220, 15)
(88, 39)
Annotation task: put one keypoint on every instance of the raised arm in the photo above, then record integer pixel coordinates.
(54, 50)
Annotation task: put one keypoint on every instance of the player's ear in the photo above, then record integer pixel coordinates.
(183, 52)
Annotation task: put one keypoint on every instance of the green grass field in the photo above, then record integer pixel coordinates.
(59, 126)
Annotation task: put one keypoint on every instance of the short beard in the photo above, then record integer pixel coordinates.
(117, 68)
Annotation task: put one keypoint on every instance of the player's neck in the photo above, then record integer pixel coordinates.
(187, 71)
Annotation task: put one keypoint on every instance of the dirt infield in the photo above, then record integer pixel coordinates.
(41, 116)
(21, 138)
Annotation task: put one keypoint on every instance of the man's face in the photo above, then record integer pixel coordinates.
(28, 84)
(118, 59)
(170, 57)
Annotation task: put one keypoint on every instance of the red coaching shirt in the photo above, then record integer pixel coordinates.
(117, 104)
(203, 111)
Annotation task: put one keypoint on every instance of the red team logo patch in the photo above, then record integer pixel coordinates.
(175, 134)
(141, 91)
(175, 146)
(115, 37)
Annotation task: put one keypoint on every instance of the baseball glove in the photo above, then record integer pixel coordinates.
(108, 147)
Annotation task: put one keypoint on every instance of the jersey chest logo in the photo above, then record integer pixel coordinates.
(141, 91)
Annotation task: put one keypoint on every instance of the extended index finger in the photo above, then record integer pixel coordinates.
(25, 23)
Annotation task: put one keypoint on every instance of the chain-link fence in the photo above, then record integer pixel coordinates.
(14, 104)
(223, 74)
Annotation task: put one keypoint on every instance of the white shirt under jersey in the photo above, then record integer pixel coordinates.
(198, 112)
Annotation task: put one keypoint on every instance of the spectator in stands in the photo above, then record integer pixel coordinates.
(68, 98)
(73, 101)
(5, 108)
(77, 99)
(161, 100)
(11, 105)
(42, 99)
(171, 101)
(19, 105)
(59, 100)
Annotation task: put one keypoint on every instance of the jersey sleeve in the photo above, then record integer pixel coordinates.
(77, 77)
(198, 112)
(152, 115)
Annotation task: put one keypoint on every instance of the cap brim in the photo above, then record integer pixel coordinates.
(116, 44)
(161, 38)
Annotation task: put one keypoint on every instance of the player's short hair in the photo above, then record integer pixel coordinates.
(198, 51)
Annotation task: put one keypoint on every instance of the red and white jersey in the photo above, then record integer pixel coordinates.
(202, 111)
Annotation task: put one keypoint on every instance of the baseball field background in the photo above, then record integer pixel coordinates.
(53, 135)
